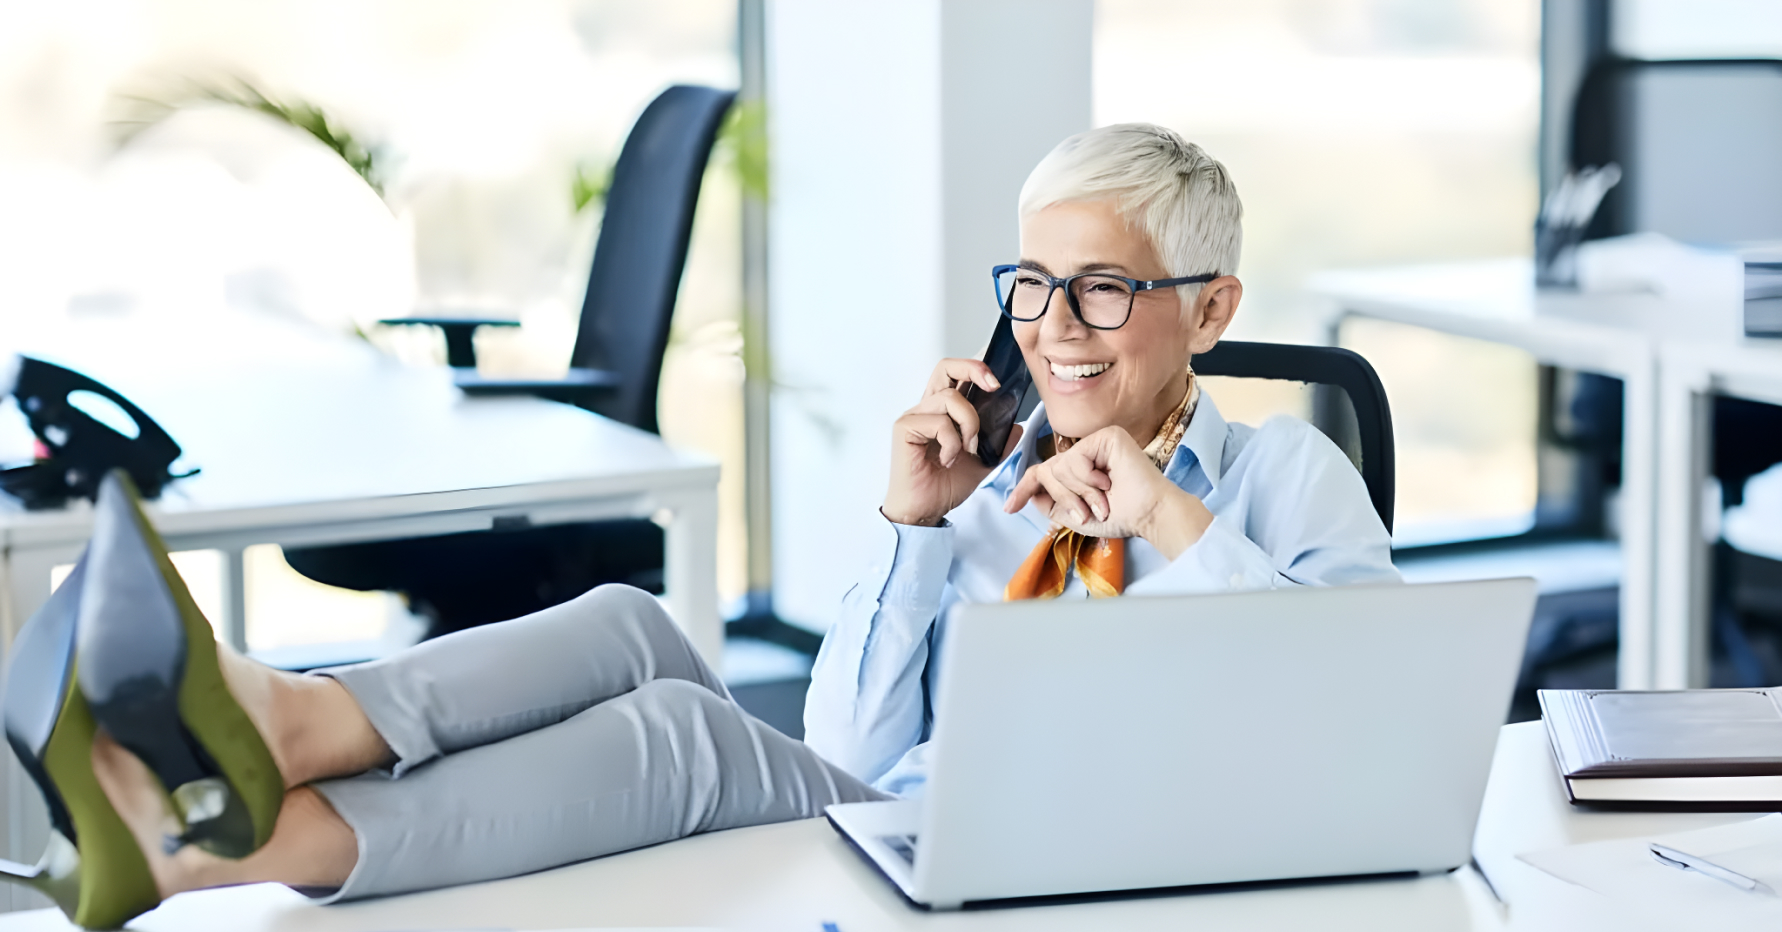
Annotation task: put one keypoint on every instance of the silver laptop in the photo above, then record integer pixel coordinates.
(1136, 743)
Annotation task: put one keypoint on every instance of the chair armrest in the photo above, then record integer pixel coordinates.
(576, 385)
(460, 351)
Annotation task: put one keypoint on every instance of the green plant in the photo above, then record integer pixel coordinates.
(740, 148)
(367, 160)
(742, 145)
(589, 184)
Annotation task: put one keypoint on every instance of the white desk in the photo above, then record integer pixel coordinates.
(798, 875)
(307, 439)
(1496, 301)
(1525, 810)
(1672, 355)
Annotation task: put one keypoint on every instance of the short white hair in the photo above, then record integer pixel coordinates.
(1180, 197)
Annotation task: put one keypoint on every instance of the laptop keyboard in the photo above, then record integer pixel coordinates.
(903, 845)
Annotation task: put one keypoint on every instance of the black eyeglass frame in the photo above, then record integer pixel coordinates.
(1070, 297)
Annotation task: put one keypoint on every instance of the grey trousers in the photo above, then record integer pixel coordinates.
(586, 729)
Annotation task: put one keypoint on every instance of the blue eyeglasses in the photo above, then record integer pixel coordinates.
(1099, 300)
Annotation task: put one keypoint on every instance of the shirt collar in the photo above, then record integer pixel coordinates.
(1204, 440)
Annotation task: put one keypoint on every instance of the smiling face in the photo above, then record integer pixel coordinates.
(1132, 377)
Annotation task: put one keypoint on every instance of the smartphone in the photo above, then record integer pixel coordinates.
(997, 410)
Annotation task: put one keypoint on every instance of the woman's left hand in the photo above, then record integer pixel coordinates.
(1105, 486)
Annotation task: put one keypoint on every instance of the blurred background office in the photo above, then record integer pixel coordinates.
(492, 128)
(882, 153)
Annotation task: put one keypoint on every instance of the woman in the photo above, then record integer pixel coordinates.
(1126, 478)
(593, 727)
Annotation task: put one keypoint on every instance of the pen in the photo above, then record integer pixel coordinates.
(1671, 857)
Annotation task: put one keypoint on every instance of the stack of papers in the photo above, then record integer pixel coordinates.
(1625, 871)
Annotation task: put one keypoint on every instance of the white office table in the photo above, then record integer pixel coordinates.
(304, 438)
(1672, 355)
(1496, 300)
(797, 875)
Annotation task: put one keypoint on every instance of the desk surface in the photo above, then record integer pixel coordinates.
(1496, 300)
(1526, 810)
(795, 876)
(798, 875)
(247, 397)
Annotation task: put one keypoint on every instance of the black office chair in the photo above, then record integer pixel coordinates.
(1348, 401)
(617, 360)
(463, 580)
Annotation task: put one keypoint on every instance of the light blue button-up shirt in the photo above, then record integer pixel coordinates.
(1288, 509)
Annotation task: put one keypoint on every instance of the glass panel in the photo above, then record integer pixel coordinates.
(1660, 29)
(1363, 133)
(1252, 401)
(496, 124)
(1464, 416)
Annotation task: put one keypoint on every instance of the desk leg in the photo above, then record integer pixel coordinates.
(691, 571)
(25, 579)
(234, 620)
(1680, 655)
(1639, 479)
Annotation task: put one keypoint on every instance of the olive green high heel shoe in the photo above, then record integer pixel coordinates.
(147, 666)
(92, 867)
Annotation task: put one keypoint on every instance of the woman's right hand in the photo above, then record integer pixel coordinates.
(934, 447)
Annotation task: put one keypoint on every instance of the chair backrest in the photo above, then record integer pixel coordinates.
(1698, 142)
(1358, 419)
(642, 248)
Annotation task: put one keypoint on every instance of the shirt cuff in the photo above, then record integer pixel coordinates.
(1223, 560)
(907, 778)
(919, 568)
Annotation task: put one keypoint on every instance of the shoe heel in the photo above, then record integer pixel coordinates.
(146, 721)
(56, 876)
(149, 670)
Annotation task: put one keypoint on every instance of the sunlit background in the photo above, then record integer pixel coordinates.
(483, 114)
(1360, 132)
(1364, 132)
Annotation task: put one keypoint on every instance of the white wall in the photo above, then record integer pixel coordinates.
(901, 134)
(1015, 81)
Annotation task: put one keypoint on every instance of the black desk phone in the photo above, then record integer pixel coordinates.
(75, 449)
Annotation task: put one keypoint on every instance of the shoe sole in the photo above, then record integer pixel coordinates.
(149, 669)
(92, 867)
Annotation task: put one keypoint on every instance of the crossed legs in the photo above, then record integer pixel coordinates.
(585, 729)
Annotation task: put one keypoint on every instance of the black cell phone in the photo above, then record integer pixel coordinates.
(997, 410)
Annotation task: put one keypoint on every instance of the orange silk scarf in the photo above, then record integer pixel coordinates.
(1100, 562)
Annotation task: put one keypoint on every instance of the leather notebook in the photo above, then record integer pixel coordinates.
(1703, 750)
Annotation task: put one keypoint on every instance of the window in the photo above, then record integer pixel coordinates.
(1364, 133)
(483, 113)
